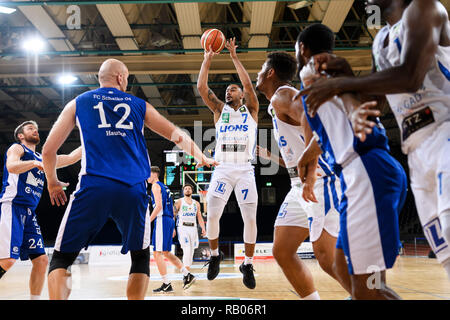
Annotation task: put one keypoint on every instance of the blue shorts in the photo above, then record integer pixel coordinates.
(20, 234)
(94, 201)
(373, 193)
(162, 237)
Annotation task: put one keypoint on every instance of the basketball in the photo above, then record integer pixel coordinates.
(214, 38)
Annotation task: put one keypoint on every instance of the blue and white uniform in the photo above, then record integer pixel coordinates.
(20, 234)
(373, 187)
(235, 149)
(164, 222)
(114, 169)
(187, 223)
(295, 211)
(424, 121)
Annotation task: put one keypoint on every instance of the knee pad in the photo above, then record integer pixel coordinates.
(214, 212)
(248, 212)
(62, 260)
(140, 261)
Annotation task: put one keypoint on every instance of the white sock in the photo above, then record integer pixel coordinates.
(446, 265)
(184, 271)
(165, 280)
(248, 260)
(215, 252)
(35, 297)
(312, 296)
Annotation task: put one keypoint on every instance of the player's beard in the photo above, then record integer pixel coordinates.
(33, 139)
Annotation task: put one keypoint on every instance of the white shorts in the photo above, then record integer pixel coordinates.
(429, 168)
(324, 215)
(188, 236)
(238, 177)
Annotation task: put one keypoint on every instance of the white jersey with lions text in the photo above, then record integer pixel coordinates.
(235, 136)
(187, 213)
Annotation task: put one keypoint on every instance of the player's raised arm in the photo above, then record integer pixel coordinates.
(58, 134)
(208, 96)
(251, 99)
(159, 124)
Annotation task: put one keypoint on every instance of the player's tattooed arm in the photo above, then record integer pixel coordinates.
(15, 165)
(208, 96)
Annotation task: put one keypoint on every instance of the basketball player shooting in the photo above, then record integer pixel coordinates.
(236, 127)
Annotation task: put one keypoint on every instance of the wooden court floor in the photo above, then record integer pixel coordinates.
(413, 278)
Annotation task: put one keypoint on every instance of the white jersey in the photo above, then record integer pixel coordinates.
(187, 214)
(418, 114)
(235, 136)
(291, 142)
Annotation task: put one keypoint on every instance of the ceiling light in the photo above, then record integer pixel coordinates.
(6, 10)
(65, 79)
(33, 45)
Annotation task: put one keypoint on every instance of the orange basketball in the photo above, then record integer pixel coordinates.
(214, 38)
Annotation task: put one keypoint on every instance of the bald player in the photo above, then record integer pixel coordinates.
(112, 182)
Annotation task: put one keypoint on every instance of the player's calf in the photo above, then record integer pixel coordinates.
(5, 265)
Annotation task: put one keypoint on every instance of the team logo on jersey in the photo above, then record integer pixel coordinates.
(226, 118)
(220, 187)
(242, 109)
(231, 127)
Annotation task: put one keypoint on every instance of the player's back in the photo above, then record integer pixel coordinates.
(111, 124)
(166, 201)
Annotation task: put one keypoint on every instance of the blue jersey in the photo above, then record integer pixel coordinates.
(111, 124)
(335, 136)
(26, 188)
(166, 199)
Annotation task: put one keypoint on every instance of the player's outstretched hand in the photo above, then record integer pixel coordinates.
(209, 54)
(207, 162)
(319, 92)
(56, 192)
(359, 119)
(231, 46)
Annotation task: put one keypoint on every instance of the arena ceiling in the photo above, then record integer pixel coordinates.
(160, 43)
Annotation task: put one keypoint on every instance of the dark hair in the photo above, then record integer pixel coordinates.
(284, 65)
(318, 38)
(19, 129)
(155, 169)
(188, 185)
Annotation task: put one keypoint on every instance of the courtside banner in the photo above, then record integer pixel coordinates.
(264, 251)
(111, 254)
